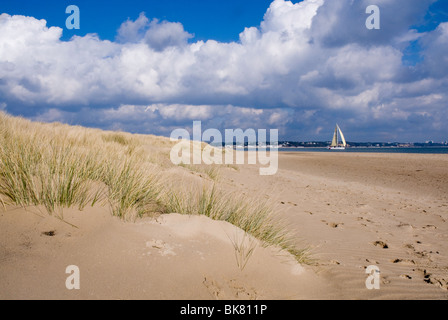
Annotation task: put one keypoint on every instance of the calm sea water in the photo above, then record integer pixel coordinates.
(427, 150)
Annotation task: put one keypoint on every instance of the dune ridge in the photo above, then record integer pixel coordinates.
(60, 169)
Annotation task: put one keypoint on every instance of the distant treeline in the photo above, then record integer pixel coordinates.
(320, 144)
(323, 144)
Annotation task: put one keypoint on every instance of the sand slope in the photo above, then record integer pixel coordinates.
(172, 257)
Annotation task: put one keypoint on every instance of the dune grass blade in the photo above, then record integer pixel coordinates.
(244, 247)
(255, 218)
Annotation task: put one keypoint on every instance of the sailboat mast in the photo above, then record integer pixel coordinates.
(337, 134)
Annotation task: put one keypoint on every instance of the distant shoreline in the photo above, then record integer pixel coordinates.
(372, 147)
(402, 150)
(414, 150)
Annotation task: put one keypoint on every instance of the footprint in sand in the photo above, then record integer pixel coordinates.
(372, 262)
(381, 244)
(50, 233)
(364, 219)
(426, 276)
(332, 224)
(385, 280)
(434, 280)
(405, 226)
(162, 247)
(404, 262)
(241, 292)
(214, 289)
(232, 289)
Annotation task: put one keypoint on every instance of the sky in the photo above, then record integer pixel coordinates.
(151, 67)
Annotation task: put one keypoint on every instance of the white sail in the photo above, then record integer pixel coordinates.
(334, 143)
(344, 143)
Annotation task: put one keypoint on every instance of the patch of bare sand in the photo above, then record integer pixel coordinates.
(171, 257)
(356, 210)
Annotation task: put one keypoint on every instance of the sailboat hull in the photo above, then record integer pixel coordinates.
(336, 148)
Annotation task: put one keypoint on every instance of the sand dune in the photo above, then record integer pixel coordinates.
(171, 257)
(354, 210)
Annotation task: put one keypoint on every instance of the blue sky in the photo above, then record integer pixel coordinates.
(206, 19)
(300, 67)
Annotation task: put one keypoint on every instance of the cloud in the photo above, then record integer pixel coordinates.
(157, 35)
(161, 119)
(162, 35)
(133, 31)
(338, 23)
(306, 66)
(435, 44)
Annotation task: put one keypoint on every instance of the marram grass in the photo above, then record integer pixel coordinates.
(60, 166)
(255, 217)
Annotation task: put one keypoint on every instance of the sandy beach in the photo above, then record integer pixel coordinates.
(357, 210)
(352, 210)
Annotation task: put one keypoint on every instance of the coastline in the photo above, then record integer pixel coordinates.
(406, 150)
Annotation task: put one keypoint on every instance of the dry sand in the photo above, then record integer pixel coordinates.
(345, 206)
(348, 206)
(171, 257)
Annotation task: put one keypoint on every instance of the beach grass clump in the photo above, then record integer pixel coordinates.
(17, 181)
(244, 247)
(117, 137)
(255, 217)
(212, 171)
(35, 171)
(40, 167)
(132, 192)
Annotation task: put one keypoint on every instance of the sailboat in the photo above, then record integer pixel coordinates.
(337, 144)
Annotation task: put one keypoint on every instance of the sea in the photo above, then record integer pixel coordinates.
(422, 150)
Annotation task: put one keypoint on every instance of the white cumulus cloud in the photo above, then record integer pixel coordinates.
(304, 66)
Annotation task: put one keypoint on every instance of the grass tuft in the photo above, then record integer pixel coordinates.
(255, 217)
